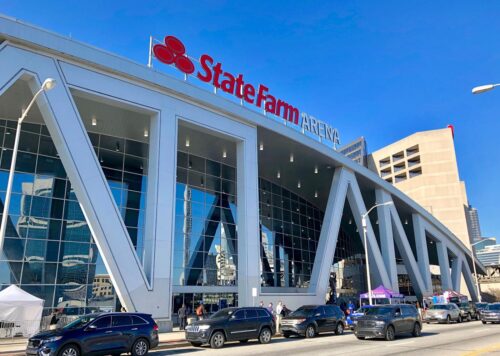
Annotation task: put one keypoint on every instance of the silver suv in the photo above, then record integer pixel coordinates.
(443, 313)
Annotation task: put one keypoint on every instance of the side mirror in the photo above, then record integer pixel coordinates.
(91, 328)
(397, 314)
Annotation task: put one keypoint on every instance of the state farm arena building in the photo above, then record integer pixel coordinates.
(146, 190)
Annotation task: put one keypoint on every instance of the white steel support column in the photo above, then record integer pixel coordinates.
(248, 218)
(444, 265)
(422, 251)
(469, 281)
(329, 234)
(456, 273)
(386, 236)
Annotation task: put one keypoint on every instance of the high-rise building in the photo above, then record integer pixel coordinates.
(424, 166)
(473, 224)
(356, 150)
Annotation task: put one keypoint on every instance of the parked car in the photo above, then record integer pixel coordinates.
(356, 314)
(443, 313)
(232, 324)
(98, 334)
(479, 308)
(387, 321)
(491, 314)
(310, 320)
(467, 311)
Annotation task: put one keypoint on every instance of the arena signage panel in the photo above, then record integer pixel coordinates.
(173, 52)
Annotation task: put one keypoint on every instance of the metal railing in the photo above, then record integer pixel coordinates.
(27, 328)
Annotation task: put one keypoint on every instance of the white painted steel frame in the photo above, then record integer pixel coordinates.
(167, 101)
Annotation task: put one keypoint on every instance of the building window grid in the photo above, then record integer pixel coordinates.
(405, 164)
(56, 272)
(291, 227)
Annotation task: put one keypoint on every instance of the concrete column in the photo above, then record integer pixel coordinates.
(422, 251)
(456, 273)
(386, 237)
(248, 218)
(444, 265)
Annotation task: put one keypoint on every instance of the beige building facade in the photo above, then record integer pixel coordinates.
(424, 166)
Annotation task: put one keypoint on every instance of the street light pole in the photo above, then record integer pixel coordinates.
(47, 85)
(474, 267)
(484, 88)
(364, 225)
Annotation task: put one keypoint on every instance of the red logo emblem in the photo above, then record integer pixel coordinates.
(174, 52)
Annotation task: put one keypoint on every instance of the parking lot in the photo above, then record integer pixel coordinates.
(471, 338)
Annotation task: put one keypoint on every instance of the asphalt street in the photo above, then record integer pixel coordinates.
(472, 338)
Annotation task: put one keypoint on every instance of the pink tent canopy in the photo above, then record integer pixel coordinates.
(382, 292)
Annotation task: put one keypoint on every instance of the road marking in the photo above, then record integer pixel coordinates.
(399, 343)
(484, 350)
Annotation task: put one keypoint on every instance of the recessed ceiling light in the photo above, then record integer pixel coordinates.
(316, 170)
(298, 184)
(146, 133)
(315, 194)
(291, 157)
(278, 175)
(224, 154)
(94, 121)
(261, 146)
(187, 141)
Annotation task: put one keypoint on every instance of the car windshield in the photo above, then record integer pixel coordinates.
(224, 313)
(481, 305)
(493, 307)
(303, 312)
(80, 321)
(379, 311)
(439, 307)
(463, 305)
(362, 310)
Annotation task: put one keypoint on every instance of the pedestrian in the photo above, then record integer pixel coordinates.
(54, 320)
(261, 304)
(279, 310)
(270, 308)
(182, 314)
(200, 312)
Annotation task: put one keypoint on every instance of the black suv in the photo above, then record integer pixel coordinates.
(310, 320)
(387, 321)
(232, 324)
(467, 311)
(98, 334)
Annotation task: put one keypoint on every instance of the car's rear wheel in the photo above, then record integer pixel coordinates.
(339, 330)
(265, 336)
(484, 322)
(196, 344)
(448, 319)
(389, 333)
(460, 319)
(70, 350)
(417, 330)
(140, 347)
(310, 332)
(217, 340)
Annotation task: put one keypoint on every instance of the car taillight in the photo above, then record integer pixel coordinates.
(155, 327)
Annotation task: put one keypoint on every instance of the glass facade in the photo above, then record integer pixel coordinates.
(49, 250)
(290, 229)
(205, 241)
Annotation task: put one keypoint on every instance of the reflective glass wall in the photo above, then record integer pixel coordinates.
(290, 229)
(49, 251)
(205, 241)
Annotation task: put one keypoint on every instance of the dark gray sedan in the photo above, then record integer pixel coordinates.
(491, 314)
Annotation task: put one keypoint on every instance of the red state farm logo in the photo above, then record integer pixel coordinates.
(174, 52)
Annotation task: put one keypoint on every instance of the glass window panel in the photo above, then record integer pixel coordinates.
(182, 175)
(196, 180)
(113, 175)
(36, 272)
(112, 143)
(94, 139)
(50, 166)
(213, 168)
(10, 272)
(41, 250)
(111, 159)
(70, 296)
(72, 272)
(136, 148)
(75, 231)
(182, 159)
(133, 181)
(196, 163)
(228, 187)
(135, 164)
(13, 249)
(213, 183)
(43, 292)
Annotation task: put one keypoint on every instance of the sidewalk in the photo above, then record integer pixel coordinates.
(17, 345)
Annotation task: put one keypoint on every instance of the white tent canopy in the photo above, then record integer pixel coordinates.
(20, 312)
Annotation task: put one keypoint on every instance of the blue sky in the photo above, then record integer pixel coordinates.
(379, 69)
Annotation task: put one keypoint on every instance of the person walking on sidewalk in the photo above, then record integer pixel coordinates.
(279, 310)
(182, 314)
(200, 312)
